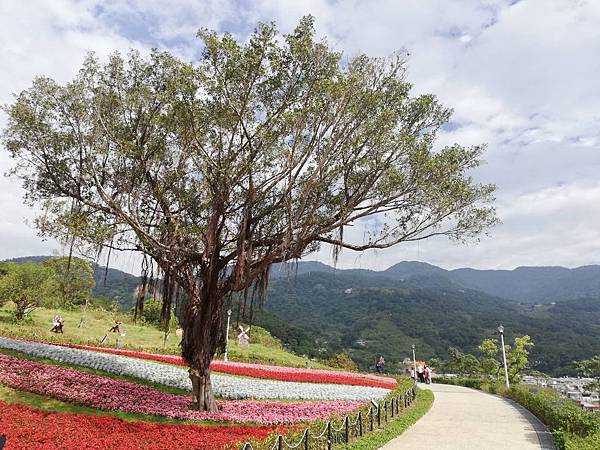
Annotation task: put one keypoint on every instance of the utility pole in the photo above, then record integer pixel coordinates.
(227, 335)
(414, 362)
(501, 330)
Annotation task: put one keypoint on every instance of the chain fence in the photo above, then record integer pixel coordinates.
(349, 427)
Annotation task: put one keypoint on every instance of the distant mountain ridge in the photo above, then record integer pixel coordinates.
(530, 285)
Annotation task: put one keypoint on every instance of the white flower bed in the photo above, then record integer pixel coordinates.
(225, 386)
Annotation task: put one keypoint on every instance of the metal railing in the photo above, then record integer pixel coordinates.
(350, 427)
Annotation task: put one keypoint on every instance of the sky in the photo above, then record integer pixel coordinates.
(521, 76)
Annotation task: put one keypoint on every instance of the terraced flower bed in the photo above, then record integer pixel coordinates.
(227, 387)
(102, 393)
(29, 428)
(260, 370)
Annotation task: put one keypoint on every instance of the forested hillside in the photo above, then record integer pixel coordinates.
(370, 315)
(321, 311)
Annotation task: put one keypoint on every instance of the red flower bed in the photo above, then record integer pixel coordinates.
(28, 428)
(261, 370)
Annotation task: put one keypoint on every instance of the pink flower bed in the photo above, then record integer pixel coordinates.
(97, 392)
(262, 370)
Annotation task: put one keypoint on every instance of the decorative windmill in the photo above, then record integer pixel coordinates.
(243, 338)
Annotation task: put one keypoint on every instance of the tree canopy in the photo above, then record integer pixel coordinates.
(26, 285)
(258, 154)
(74, 279)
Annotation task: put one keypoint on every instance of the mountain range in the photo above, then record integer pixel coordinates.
(529, 285)
(365, 313)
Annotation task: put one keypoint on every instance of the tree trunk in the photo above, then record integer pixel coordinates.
(203, 396)
(201, 335)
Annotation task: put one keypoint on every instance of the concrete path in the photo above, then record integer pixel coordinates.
(466, 419)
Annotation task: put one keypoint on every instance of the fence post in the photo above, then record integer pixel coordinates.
(360, 430)
(379, 415)
(280, 442)
(329, 444)
(393, 401)
(397, 405)
(371, 416)
(386, 411)
(306, 434)
(347, 429)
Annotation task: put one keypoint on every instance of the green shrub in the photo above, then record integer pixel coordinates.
(558, 413)
(341, 361)
(570, 442)
(475, 383)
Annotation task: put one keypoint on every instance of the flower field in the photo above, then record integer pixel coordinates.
(225, 386)
(260, 370)
(28, 428)
(102, 393)
(254, 400)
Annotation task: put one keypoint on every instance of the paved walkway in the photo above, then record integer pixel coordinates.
(465, 419)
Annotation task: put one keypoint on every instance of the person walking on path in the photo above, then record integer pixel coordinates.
(427, 374)
(420, 374)
(380, 364)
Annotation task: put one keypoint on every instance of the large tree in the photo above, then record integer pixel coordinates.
(26, 285)
(258, 154)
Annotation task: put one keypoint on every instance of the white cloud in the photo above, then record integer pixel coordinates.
(521, 76)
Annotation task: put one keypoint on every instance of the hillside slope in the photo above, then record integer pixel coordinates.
(368, 316)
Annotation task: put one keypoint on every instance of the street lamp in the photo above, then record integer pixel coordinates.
(414, 362)
(501, 330)
(227, 335)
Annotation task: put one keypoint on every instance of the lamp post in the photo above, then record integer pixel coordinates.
(414, 362)
(227, 335)
(501, 330)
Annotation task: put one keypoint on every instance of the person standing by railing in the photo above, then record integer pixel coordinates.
(380, 364)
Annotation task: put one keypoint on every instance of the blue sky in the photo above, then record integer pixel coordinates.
(522, 76)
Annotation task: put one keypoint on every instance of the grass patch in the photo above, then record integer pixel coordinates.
(264, 349)
(396, 426)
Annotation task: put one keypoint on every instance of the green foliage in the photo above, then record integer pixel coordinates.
(568, 421)
(74, 279)
(489, 348)
(26, 285)
(487, 364)
(341, 361)
(475, 383)
(151, 314)
(517, 357)
(464, 364)
(589, 367)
